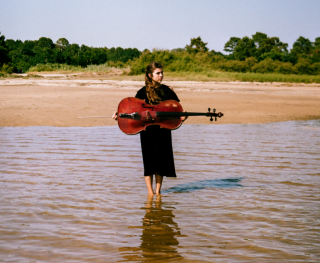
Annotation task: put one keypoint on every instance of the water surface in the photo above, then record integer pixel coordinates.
(244, 193)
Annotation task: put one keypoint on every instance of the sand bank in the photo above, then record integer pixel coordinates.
(55, 101)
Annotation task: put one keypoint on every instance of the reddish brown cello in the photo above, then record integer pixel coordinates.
(134, 115)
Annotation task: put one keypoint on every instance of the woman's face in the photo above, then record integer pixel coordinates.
(157, 75)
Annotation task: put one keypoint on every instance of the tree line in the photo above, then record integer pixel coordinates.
(29, 53)
(258, 53)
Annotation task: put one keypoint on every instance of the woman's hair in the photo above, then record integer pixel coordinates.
(153, 93)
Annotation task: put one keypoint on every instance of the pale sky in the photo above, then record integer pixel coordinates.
(158, 24)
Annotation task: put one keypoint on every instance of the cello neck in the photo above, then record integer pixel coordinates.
(180, 114)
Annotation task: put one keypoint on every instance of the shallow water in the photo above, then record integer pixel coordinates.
(244, 193)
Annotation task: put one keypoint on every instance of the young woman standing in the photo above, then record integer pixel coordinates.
(156, 142)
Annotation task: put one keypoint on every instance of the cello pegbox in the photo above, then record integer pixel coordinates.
(215, 117)
(210, 114)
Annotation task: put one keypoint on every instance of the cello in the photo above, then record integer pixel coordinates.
(134, 115)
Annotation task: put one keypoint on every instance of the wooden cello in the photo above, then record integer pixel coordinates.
(134, 115)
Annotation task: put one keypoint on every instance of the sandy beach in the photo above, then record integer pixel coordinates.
(58, 100)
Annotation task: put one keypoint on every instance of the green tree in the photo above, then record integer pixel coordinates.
(60, 47)
(196, 45)
(270, 47)
(98, 56)
(62, 43)
(71, 55)
(302, 46)
(231, 44)
(21, 53)
(245, 48)
(84, 56)
(317, 42)
(259, 39)
(43, 50)
(178, 49)
(4, 53)
(27, 48)
(315, 53)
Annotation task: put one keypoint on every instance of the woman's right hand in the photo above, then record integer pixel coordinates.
(115, 115)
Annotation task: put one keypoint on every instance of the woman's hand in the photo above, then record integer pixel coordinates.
(115, 115)
(184, 118)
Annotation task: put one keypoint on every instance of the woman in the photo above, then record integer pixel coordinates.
(156, 143)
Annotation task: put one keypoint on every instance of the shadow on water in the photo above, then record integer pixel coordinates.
(204, 184)
(159, 234)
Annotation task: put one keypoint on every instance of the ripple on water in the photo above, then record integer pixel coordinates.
(247, 192)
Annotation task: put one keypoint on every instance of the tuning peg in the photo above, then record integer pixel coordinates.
(214, 110)
(209, 109)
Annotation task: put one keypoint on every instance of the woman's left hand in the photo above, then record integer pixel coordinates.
(184, 118)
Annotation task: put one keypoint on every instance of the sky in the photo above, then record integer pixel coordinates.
(165, 24)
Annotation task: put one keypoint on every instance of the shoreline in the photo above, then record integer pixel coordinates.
(116, 76)
(58, 102)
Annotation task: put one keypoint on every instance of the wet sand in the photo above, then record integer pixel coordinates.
(59, 101)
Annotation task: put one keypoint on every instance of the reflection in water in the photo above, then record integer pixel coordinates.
(159, 233)
(203, 184)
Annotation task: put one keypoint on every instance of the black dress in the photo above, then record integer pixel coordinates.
(156, 142)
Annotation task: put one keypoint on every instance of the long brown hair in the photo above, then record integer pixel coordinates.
(154, 94)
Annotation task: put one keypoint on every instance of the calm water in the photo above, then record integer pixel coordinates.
(243, 193)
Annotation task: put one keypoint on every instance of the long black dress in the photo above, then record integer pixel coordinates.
(156, 142)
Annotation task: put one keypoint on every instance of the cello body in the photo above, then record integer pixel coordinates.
(135, 115)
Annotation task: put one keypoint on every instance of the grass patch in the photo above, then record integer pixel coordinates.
(7, 75)
(34, 76)
(63, 68)
(105, 71)
(54, 67)
(243, 77)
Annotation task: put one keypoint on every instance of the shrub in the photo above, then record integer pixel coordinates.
(6, 68)
(316, 68)
(172, 61)
(251, 61)
(233, 66)
(286, 68)
(265, 66)
(304, 66)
